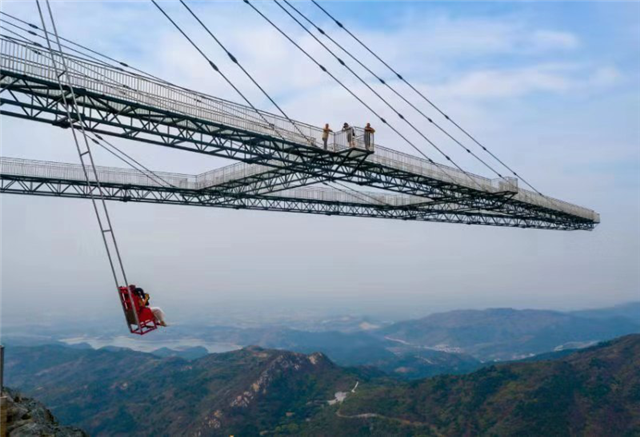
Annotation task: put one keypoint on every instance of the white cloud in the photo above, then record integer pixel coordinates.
(509, 83)
(518, 82)
(554, 40)
(606, 76)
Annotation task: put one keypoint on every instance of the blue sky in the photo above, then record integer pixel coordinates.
(552, 87)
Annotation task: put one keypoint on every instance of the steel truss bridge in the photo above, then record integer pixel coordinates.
(279, 160)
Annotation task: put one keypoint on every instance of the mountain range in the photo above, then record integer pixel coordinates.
(507, 334)
(255, 391)
(454, 342)
(450, 342)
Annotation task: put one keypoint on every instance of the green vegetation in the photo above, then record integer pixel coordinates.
(254, 391)
(591, 392)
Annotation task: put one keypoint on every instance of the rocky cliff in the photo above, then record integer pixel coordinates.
(27, 417)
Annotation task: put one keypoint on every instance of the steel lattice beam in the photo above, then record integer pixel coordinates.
(133, 114)
(433, 212)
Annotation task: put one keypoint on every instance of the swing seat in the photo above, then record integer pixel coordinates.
(146, 319)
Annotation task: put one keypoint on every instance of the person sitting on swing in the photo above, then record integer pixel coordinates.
(144, 302)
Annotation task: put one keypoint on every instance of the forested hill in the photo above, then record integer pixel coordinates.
(592, 392)
(108, 392)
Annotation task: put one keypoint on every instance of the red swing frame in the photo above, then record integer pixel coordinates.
(146, 319)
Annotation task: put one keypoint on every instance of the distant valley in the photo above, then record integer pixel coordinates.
(454, 342)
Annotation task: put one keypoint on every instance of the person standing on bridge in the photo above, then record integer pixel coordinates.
(368, 136)
(352, 136)
(348, 131)
(325, 135)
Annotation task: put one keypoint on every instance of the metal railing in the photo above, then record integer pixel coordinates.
(112, 175)
(229, 173)
(106, 175)
(363, 197)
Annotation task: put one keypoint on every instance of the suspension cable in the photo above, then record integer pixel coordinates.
(337, 80)
(74, 103)
(384, 121)
(215, 68)
(99, 140)
(402, 117)
(235, 61)
(106, 145)
(121, 63)
(85, 57)
(21, 39)
(383, 82)
(431, 103)
(79, 72)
